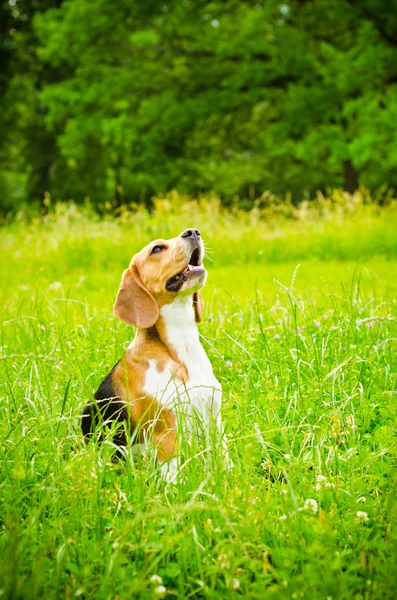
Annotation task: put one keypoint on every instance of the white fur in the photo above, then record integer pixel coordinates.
(159, 384)
(202, 391)
(201, 395)
(169, 470)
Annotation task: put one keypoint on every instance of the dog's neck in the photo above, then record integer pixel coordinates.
(175, 330)
(174, 340)
(182, 339)
(179, 314)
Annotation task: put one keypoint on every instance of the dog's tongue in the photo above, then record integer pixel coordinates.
(191, 268)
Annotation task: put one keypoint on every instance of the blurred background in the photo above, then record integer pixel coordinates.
(114, 102)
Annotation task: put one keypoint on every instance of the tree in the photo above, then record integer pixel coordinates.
(27, 148)
(236, 97)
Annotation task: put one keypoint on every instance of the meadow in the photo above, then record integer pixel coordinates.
(300, 325)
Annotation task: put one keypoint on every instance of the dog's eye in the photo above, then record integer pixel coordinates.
(157, 249)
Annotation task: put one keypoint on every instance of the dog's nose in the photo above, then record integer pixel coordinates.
(191, 233)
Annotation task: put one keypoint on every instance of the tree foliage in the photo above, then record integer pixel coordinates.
(117, 101)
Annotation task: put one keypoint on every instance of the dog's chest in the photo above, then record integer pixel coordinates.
(201, 391)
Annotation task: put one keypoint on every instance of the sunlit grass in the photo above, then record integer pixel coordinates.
(307, 360)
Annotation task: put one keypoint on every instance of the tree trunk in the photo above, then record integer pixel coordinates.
(351, 176)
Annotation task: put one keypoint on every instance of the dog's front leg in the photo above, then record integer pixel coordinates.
(165, 441)
(217, 418)
(220, 432)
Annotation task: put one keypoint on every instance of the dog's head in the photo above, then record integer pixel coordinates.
(160, 272)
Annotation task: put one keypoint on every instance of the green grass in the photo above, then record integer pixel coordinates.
(308, 368)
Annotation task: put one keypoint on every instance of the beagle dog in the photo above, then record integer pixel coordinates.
(165, 379)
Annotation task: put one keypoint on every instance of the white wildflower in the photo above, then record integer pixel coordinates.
(161, 590)
(156, 580)
(362, 516)
(311, 504)
(235, 584)
(223, 561)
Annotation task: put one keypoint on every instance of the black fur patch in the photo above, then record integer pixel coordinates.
(107, 409)
(106, 389)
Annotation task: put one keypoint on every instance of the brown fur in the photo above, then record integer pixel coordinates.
(129, 379)
(198, 307)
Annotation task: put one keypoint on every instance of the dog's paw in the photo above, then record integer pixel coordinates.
(228, 461)
(169, 471)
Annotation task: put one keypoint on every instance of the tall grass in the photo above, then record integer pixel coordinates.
(307, 360)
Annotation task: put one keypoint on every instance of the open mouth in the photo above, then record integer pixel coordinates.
(194, 264)
(195, 259)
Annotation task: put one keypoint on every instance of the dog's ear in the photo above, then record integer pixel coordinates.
(198, 307)
(134, 304)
